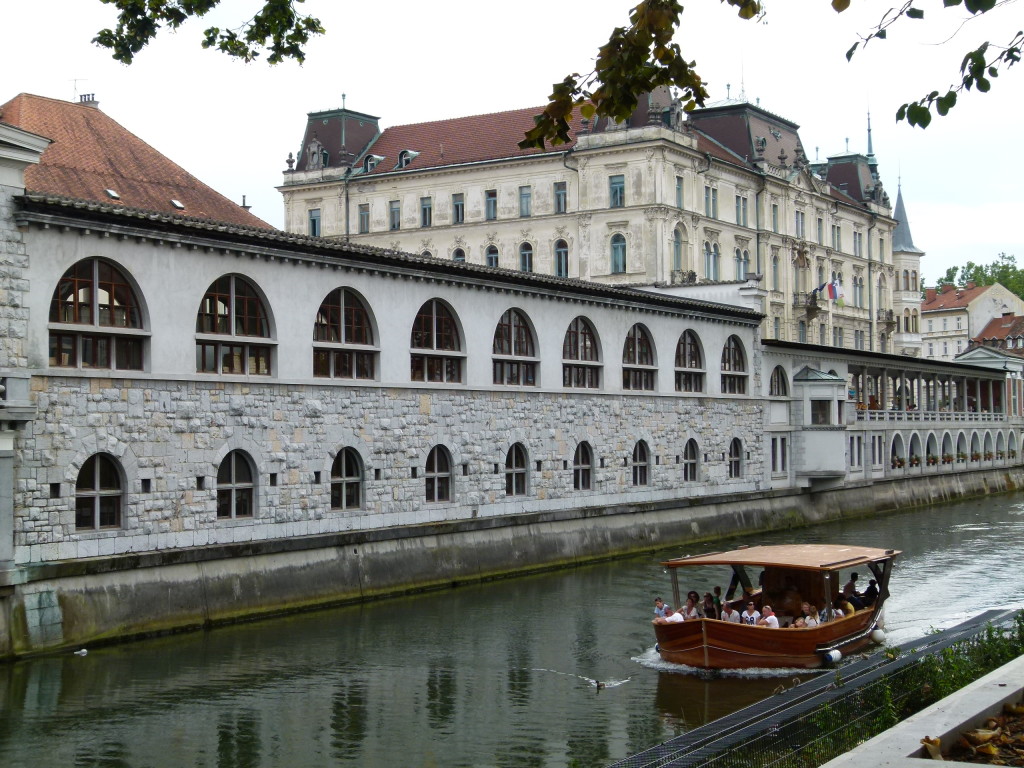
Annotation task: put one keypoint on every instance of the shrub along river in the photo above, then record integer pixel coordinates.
(499, 674)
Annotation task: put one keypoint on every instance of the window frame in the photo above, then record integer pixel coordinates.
(458, 208)
(347, 477)
(394, 215)
(639, 368)
(236, 493)
(583, 467)
(94, 494)
(438, 479)
(344, 338)
(430, 363)
(90, 334)
(245, 307)
(517, 472)
(641, 464)
(514, 359)
(617, 191)
(734, 367)
(525, 201)
(581, 355)
(690, 371)
(617, 255)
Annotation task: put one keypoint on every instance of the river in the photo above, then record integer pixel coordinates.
(503, 674)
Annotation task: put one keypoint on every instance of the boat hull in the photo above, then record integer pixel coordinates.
(712, 644)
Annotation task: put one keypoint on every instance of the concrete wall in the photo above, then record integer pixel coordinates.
(69, 604)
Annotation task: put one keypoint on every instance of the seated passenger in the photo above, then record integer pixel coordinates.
(870, 594)
(810, 615)
(730, 614)
(768, 618)
(659, 607)
(751, 615)
(710, 610)
(690, 611)
(693, 595)
(851, 594)
(670, 617)
(845, 605)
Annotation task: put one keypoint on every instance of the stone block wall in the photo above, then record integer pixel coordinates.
(174, 434)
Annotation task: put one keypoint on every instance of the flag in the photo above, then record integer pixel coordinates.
(839, 292)
(832, 290)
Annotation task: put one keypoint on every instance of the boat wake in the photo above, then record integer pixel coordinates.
(589, 681)
(651, 659)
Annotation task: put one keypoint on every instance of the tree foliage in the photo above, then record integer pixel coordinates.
(1002, 270)
(636, 59)
(277, 27)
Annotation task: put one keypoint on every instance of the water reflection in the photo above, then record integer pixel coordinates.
(504, 674)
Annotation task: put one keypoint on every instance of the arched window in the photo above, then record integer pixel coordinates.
(515, 471)
(741, 264)
(515, 358)
(778, 386)
(638, 360)
(427, 255)
(906, 279)
(734, 367)
(581, 365)
(618, 254)
(347, 480)
(690, 458)
(677, 250)
(526, 258)
(232, 310)
(342, 338)
(561, 258)
(914, 322)
(735, 458)
(435, 345)
(582, 468)
(708, 266)
(641, 463)
(776, 283)
(98, 494)
(491, 257)
(235, 486)
(438, 474)
(689, 364)
(458, 255)
(92, 315)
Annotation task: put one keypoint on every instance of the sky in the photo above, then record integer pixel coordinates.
(233, 124)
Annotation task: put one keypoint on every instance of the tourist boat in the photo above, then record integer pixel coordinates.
(789, 575)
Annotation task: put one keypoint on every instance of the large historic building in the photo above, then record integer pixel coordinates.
(203, 418)
(666, 199)
(953, 315)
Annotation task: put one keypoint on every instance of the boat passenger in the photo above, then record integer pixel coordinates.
(730, 614)
(690, 611)
(751, 615)
(799, 623)
(659, 607)
(670, 617)
(870, 594)
(768, 618)
(845, 605)
(850, 592)
(709, 607)
(810, 616)
(695, 596)
(718, 600)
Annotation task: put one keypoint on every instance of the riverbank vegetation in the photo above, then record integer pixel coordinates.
(844, 721)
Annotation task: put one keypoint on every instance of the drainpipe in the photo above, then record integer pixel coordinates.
(872, 314)
(348, 173)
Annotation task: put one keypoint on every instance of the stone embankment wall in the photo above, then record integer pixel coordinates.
(70, 604)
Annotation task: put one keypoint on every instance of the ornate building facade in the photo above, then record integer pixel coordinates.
(664, 200)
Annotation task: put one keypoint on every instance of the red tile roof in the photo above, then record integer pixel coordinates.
(461, 140)
(92, 153)
(1003, 327)
(953, 298)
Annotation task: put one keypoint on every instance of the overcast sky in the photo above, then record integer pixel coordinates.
(408, 61)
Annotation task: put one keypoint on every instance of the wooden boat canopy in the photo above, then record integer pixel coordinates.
(806, 557)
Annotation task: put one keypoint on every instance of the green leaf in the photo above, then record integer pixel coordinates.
(840, 5)
(880, 34)
(914, 13)
(853, 49)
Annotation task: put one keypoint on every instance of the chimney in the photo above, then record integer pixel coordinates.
(947, 287)
(244, 206)
(929, 294)
(89, 100)
(970, 285)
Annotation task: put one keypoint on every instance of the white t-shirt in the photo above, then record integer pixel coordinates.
(750, 618)
(734, 617)
(771, 621)
(675, 618)
(810, 621)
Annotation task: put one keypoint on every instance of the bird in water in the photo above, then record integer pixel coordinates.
(82, 652)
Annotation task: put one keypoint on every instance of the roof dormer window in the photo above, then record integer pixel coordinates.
(112, 194)
(178, 204)
(371, 162)
(405, 157)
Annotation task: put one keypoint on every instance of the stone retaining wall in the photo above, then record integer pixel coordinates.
(62, 605)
